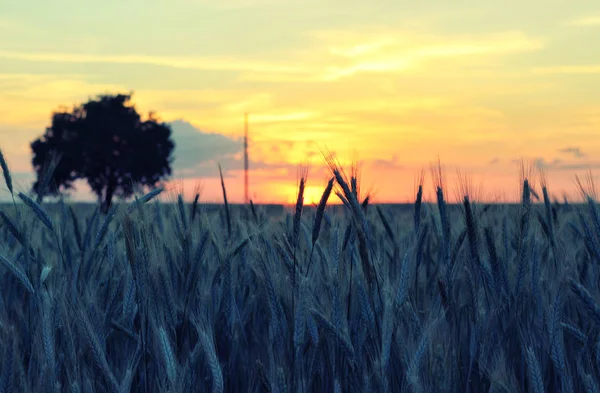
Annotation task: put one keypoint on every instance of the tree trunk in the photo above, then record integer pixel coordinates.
(110, 190)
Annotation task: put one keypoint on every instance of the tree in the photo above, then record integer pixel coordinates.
(106, 142)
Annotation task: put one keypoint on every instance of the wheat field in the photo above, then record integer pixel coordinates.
(177, 297)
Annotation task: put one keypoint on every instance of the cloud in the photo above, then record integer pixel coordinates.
(575, 151)
(580, 69)
(415, 50)
(232, 5)
(582, 166)
(494, 161)
(332, 56)
(198, 153)
(585, 21)
(282, 146)
(283, 117)
(541, 163)
(183, 62)
(381, 163)
(363, 49)
(560, 165)
(195, 148)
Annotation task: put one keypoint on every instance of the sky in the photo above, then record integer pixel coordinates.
(481, 85)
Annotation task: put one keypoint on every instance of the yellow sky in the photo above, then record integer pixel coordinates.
(481, 84)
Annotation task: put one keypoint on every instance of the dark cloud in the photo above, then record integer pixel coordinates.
(573, 150)
(386, 164)
(198, 154)
(560, 165)
(195, 149)
(494, 161)
(582, 166)
(541, 163)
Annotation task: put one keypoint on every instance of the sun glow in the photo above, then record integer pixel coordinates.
(312, 195)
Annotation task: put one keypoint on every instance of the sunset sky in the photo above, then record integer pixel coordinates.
(481, 84)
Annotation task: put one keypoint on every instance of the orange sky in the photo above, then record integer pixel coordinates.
(481, 85)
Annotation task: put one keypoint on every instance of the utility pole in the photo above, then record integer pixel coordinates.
(246, 199)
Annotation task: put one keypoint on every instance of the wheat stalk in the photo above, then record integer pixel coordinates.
(6, 173)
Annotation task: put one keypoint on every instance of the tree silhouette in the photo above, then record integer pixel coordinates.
(106, 142)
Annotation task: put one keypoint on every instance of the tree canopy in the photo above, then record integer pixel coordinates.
(106, 142)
